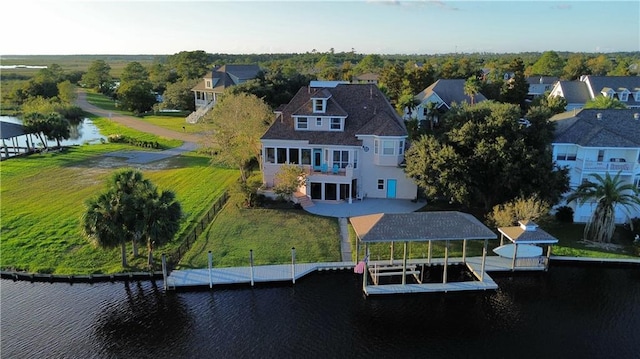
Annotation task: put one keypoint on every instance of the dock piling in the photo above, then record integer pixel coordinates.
(251, 264)
(210, 267)
(293, 265)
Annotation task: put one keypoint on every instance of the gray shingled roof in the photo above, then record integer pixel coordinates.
(575, 91)
(450, 91)
(518, 234)
(616, 83)
(228, 75)
(420, 226)
(367, 109)
(549, 80)
(617, 128)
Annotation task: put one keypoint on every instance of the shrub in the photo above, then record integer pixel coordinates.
(564, 214)
(519, 209)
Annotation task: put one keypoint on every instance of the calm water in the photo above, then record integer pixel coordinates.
(80, 133)
(569, 312)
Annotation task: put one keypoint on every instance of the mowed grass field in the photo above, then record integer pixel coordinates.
(43, 200)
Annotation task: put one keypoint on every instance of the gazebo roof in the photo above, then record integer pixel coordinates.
(527, 233)
(9, 130)
(419, 226)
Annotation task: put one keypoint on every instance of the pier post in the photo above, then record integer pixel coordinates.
(484, 259)
(446, 260)
(210, 268)
(429, 260)
(164, 271)
(293, 265)
(251, 264)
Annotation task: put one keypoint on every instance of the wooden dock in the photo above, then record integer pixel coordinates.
(249, 275)
(194, 278)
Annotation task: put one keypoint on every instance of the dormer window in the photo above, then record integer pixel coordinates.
(637, 96)
(319, 105)
(207, 84)
(302, 123)
(623, 95)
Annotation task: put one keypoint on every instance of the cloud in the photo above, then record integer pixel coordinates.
(411, 3)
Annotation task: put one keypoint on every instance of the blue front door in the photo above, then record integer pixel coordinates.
(317, 159)
(391, 188)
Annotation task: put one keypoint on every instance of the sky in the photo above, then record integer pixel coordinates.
(72, 27)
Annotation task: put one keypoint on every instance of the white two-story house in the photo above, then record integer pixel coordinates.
(347, 137)
(577, 93)
(598, 141)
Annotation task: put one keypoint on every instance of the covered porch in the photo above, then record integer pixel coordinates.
(391, 277)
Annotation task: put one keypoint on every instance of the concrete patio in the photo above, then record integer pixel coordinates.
(362, 207)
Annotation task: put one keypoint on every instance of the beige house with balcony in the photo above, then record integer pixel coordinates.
(598, 141)
(347, 137)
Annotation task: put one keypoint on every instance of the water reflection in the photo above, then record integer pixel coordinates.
(569, 312)
(147, 320)
(81, 132)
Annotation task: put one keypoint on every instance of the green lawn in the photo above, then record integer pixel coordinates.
(174, 123)
(270, 233)
(43, 200)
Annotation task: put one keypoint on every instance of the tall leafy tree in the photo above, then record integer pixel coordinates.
(98, 77)
(190, 64)
(485, 157)
(391, 78)
(370, 63)
(51, 126)
(178, 95)
(600, 65)
(515, 89)
(549, 64)
(607, 192)
(576, 66)
(236, 124)
(134, 71)
(136, 96)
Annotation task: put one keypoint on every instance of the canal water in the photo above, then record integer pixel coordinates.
(82, 132)
(569, 312)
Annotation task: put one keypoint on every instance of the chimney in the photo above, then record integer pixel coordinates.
(636, 116)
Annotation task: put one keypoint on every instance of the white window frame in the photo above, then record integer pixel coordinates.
(333, 122)
(318, 121)
(300, 121)
(388, 147)
(341, 161)
(381, 184)
(319, 105)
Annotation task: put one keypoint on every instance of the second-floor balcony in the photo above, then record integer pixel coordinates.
(613, 165)
(340, 174)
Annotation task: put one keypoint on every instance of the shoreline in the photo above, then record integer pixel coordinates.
(158, 275)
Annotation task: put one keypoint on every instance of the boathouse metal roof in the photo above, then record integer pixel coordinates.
(420, 226)
(9, 130)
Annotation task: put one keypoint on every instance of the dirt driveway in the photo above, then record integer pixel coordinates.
(139, 157)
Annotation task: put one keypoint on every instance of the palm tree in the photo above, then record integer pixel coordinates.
(431, 112)
(131, 188)
(102, 223)
(159, 220)
(471, 88)
(607, 192)
(604, 102)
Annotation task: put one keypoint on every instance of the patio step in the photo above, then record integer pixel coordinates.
(304, 200)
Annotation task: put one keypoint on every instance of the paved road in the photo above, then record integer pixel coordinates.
(134, 122)
(139, 157)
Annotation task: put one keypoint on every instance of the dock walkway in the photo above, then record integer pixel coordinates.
(290, 273)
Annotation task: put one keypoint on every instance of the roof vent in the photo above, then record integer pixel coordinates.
(636, 116)
(599, 116)
(528, 226)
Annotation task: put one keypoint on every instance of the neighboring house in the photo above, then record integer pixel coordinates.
(444, 92)
(207, 92)
(577, 93)
(538, 85)
(347, 137)
(598, 141)
(368, 78)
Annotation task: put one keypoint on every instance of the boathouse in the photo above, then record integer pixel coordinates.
(445, 226)
(525, 248)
